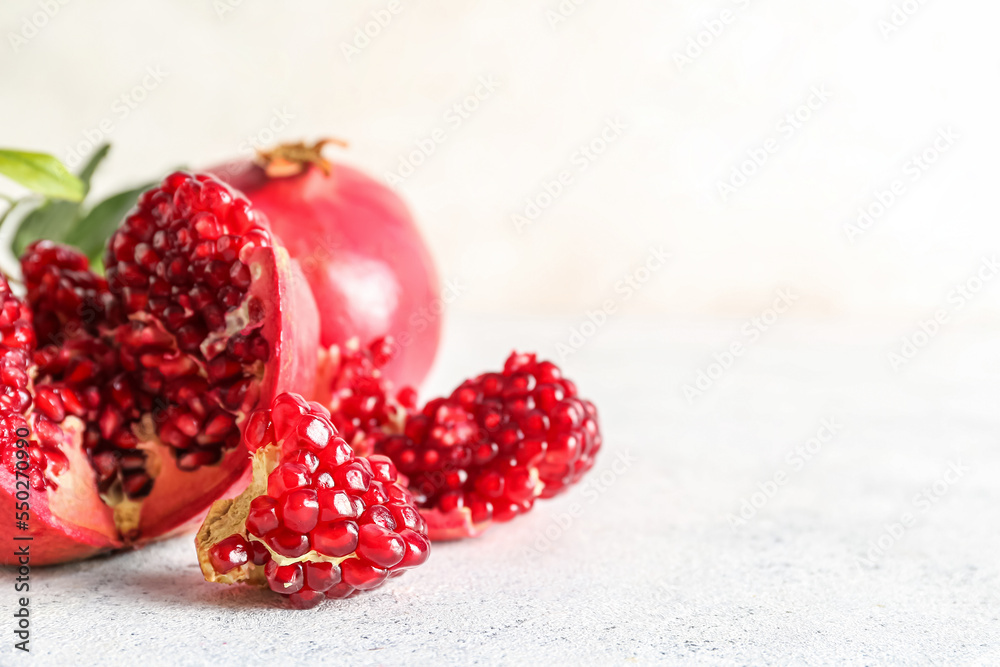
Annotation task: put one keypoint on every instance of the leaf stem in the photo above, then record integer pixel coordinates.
(13, 204)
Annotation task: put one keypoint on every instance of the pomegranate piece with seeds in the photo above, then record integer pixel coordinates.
(317, 521)
(138, 385)
(500, 441)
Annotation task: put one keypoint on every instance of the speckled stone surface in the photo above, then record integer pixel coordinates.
(643, 565)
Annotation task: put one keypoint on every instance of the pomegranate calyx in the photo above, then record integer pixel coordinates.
(293, 158)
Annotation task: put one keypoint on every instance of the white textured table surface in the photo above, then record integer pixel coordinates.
(651, 569)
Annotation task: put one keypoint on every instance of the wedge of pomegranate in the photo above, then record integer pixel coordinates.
(134, 396)
(360, 249)
(496, 444)
(317, 521)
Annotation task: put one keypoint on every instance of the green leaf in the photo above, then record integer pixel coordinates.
(88, 169)
(41, 173)
(92, 231)
(48, 221)
(55, 217)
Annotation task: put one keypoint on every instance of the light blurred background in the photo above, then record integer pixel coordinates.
(740, 138)
(232, 74)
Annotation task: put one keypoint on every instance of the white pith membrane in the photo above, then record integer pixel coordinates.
(228, 517)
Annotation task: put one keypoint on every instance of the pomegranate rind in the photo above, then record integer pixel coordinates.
(66, 522)
(454, 525)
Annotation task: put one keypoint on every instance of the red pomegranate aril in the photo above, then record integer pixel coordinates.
(339, 538)
(379, 515)
(382, 468)
(406, 516)
(361, 575)
(417, 549)
(288, 543)
(334, 505)
(286, 477)
(306, 598)
(380, 546)
(259, 554)
(300, 510)
(353, 478)
(263, 516)
(285, 579)
(230, 553)
(321, 577)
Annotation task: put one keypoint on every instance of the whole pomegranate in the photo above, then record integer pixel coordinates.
(369, 269)
(123, 397)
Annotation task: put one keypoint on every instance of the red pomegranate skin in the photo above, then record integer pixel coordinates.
(370, 271)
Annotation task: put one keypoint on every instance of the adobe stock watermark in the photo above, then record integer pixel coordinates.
(750, 331)
(553, 188)
(121, 109)
(223, 7)
(35, 23)
(562, 12)
(268, 133)
(913, 170)
(711, 31)
(454, 117)
(785, 130)
(921, 503)
(625, 288)
(796, 459)
(899, 16)
(591, 489)
(927, 329)
(370, 30)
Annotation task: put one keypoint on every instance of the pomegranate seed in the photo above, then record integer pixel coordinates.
(334, 505)
(285, 579)
(361, 575)
(321, 577)
(288, 543)
(380, 546)
(339, 538)
(230, 553)
(306, 598)
(300, 510)
(263, 516)
(285, 477)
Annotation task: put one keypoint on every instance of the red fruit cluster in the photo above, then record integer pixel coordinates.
(496, 444)
(318, 521)
(363, 403)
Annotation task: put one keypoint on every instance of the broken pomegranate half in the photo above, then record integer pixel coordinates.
(500, 441)
(317, 521)
(135, 393)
